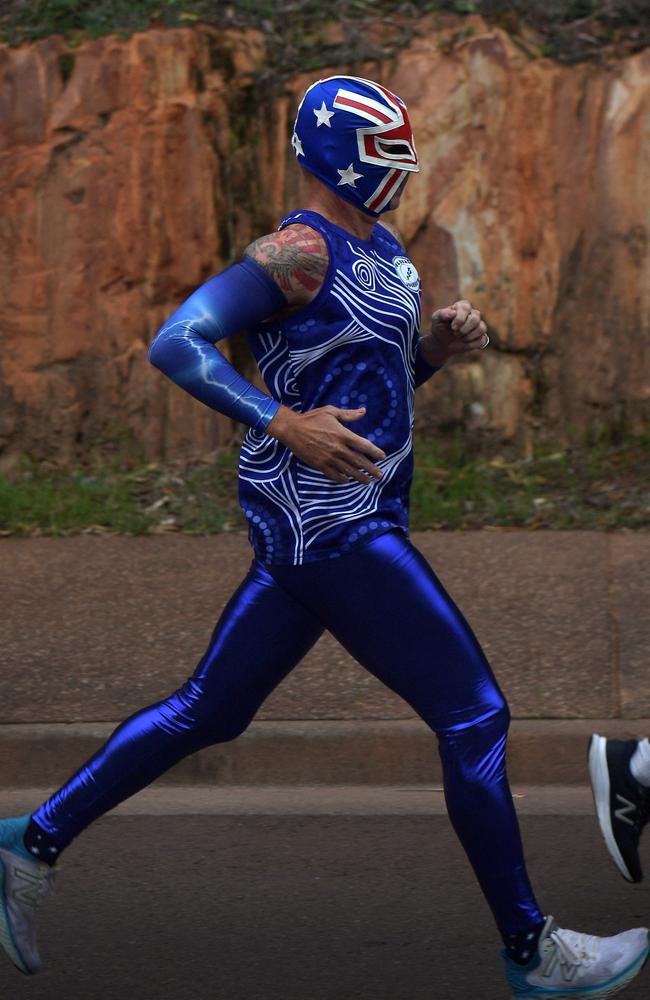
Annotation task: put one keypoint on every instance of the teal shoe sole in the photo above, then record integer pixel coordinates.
(603, 992)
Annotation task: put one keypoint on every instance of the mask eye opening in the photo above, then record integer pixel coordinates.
(398, 147)
(393, 149)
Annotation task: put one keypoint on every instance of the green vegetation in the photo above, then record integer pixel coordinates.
(66, 503)
(302, 34)
(198, 498)
(598, 486)
(457, 484)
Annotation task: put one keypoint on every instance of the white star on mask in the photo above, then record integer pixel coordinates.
(323, 116)
(297, 145)
(348, 176)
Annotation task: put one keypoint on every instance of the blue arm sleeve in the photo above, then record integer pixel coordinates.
(237, 299)
(423, 371)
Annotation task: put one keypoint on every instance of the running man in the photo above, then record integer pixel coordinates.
(331, 307)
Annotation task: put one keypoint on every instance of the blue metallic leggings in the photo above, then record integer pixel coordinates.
(385, 605)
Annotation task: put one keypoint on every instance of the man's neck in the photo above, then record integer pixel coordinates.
(320, 199)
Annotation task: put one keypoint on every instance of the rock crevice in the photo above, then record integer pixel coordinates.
(131, 170)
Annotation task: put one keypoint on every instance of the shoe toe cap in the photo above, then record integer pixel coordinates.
(630, 945)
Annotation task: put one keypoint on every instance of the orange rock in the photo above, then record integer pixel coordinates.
(131, 170)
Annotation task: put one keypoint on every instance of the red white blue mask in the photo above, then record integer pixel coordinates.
(355, 136)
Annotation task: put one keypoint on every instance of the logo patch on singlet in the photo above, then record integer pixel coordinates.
(407, 272)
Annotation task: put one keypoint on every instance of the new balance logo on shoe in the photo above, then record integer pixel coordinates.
(26, 893)
(628, 808)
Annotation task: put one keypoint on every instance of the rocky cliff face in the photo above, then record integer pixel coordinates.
(132, 170)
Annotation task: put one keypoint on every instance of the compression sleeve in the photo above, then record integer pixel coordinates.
(423, 371)
(183, 349)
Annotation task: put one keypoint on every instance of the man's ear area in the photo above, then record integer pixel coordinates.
(394, 230)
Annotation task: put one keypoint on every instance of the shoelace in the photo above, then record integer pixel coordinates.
(573, 950)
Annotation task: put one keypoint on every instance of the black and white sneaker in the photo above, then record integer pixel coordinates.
(622, 804)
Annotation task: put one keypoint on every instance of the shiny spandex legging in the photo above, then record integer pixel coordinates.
(385, 605)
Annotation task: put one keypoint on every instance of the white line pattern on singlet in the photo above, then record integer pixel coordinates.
(310, 501)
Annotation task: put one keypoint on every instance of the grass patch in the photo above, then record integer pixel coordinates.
(199, 499)
(599, 487)
(457, 484)
(65, 504)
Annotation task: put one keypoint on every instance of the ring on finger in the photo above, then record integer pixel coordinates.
(487, 341)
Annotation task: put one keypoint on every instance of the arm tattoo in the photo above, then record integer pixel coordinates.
(296, 258)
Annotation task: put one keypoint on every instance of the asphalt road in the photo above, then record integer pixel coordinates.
(294, 907)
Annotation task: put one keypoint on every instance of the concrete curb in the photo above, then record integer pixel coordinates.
(309, 800)
(359, 752)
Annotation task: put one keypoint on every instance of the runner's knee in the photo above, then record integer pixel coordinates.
(206, 717)
(475, 752)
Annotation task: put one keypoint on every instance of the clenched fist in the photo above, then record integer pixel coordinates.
(456, 329)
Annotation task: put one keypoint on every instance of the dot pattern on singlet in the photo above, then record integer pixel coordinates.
(354, 346)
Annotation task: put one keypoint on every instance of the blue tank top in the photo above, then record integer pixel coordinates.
(354, 345)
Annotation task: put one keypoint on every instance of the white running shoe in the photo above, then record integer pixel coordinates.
(24, 883)
(568, 964)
